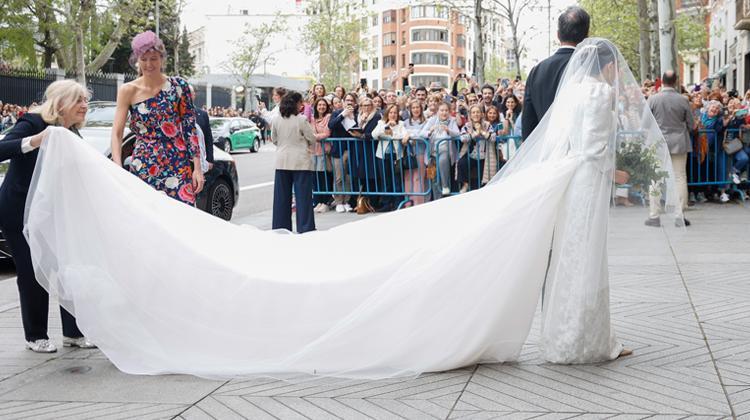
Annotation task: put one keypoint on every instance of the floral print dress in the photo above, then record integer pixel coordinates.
(166, 140)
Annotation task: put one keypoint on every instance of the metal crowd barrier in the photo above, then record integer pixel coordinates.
(401, 173)
(363, 173)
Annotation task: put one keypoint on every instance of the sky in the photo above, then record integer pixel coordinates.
(534, 22)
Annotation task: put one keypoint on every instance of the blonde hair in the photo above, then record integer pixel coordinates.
(60, 97)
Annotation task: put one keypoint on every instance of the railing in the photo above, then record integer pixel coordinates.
(398, 172)
(708, 163)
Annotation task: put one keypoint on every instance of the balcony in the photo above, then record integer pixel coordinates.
(743, 15)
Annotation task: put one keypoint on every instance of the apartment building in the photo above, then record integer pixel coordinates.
(437, 40)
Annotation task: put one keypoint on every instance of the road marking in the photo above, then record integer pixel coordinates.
(256, 186)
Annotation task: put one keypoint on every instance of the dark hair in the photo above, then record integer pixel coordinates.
(573, 25)
(290, 104)
(422, 88)
(315, 108)
(519, 106)
(279, 91)
(342, 90)
(669, 78)
(487, 86)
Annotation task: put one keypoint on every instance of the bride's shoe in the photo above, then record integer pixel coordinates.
(624, 353)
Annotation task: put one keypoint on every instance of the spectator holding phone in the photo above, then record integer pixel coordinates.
(495, 159)
(440, 129)
(474, 138)
(390, 133)
(339, 124)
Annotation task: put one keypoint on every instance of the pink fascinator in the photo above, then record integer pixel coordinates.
(143, 43)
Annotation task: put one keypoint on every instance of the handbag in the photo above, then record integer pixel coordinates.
(363, 205)
(431, 170)
(731, 146)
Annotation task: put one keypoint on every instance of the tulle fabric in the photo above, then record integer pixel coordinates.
(163, 288)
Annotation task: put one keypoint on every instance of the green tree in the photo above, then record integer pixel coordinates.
(618, 21)
(334, 32)
(186, 66)
(252, 51)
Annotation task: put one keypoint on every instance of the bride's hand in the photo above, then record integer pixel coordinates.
(198, 181)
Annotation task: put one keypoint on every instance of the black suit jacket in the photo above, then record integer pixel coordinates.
(15, 188)
(201, 119)
(541, 87)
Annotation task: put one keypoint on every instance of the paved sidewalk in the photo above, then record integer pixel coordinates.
(682, 303)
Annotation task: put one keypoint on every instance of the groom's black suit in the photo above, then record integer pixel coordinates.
(541, 87)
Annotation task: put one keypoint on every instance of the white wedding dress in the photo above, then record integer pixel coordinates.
(161, 287)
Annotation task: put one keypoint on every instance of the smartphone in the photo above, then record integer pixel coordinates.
(363, 82)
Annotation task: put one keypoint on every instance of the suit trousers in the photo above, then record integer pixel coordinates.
(302, 184)
(679, 166)
(33, 297)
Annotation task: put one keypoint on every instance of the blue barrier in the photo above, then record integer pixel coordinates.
(708, 163)
(387, 168)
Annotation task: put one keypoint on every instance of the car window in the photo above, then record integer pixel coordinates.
(245, 124)
(100, 116)
(235, 124)
(217, 125)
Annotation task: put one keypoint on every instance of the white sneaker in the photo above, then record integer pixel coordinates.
(80, 342)
(446, 191)
(41, 346)
(736, 179)
(348, 208)
(724, 198)
(340, 208)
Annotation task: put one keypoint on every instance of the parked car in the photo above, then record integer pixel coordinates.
(235, 133)
(220, 193)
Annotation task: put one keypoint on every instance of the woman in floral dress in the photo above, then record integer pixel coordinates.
(162, 117)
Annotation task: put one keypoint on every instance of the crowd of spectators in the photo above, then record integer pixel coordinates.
(9, 114)
(720, 115)
(448, 136)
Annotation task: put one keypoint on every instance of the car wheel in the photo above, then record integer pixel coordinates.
(221, 199)
(227, 146)
(256, 146)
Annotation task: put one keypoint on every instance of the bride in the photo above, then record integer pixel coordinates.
(163, 288)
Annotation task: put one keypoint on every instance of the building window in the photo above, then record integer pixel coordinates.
(374, 84)
(403, 37)
(422, 12)
(425, 80)
(374, 41)
(389, 16)
(375, 63)
(389, 38)
(375, 20)
(403, 60)
(403, 15)
(461, 40)
(364, 22)
(430, 58)
(460, 62)
(364, 65)
(389, 61)
(435, 35)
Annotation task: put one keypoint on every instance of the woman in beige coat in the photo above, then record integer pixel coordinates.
(293, 136)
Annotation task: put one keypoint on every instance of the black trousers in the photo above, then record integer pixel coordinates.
(34, 299)
(302, 183)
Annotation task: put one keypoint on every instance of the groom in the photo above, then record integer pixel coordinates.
(541, 85)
